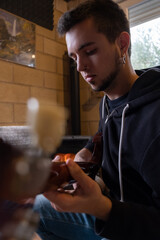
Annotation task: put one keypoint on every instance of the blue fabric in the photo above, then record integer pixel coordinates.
(63, 226)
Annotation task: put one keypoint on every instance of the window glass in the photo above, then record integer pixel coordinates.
(144, 19)
(145, 40)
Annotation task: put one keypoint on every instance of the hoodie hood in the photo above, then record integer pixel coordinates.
(145, 89)
(148, 81)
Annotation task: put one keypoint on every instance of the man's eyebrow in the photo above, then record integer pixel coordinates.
(82, 46)
(85, 45)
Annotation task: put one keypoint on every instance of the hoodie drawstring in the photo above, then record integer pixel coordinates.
(103, 104)
(120, 146)
(120, 153)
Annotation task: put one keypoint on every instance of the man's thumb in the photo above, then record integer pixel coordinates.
(76, 172)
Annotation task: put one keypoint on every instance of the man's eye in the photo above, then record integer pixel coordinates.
(91, 52)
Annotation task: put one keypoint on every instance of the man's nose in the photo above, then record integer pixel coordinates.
(81, 65)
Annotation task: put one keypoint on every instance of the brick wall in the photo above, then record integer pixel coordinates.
(47, 81)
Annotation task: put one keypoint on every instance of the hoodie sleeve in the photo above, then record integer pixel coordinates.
(131, 221)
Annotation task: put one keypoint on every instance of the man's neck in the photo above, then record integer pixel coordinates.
(123, 83)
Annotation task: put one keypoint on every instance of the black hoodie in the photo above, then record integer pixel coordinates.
(131, 162)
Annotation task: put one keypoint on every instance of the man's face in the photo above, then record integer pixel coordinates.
(97, 59)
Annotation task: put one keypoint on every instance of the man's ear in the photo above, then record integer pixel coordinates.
(123, 42)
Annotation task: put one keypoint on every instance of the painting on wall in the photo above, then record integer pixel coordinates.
(17, 39)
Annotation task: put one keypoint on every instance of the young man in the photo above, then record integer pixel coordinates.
(98, 39)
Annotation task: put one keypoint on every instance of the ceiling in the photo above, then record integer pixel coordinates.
(117, 1)
(120, 1)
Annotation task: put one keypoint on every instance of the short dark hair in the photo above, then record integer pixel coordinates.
(109, 18)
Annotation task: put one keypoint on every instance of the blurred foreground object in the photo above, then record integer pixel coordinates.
(48, 124)
(24, 170)
(17, 221)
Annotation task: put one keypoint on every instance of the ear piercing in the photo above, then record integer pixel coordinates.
(123, 59)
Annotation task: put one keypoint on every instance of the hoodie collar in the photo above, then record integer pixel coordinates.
(148, 81)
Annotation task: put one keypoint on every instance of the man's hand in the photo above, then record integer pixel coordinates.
(87, 197)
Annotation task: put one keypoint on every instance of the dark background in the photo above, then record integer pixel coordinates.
(39, 12)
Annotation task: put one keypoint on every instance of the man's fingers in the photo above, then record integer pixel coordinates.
(56, 159)
(76, 172)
